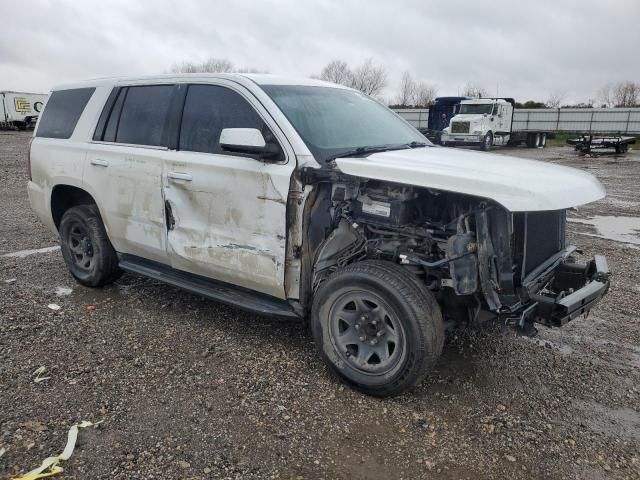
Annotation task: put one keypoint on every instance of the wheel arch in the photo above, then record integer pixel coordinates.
(64, 197)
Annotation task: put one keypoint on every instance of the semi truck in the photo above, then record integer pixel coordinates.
(19, 109)
(488, 122)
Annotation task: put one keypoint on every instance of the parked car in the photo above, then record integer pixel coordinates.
(304, 199)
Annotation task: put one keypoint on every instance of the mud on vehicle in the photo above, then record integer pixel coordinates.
(303, 199)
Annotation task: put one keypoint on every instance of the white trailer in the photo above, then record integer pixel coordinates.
(487, 122)
(19, 109)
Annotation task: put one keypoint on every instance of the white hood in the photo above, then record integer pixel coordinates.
(518, 184)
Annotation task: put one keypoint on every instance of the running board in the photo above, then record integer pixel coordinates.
(221, 292)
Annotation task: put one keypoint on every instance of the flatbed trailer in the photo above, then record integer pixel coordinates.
(586, 143)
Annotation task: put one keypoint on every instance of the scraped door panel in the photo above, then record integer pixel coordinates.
(127, 185)
(229, 218)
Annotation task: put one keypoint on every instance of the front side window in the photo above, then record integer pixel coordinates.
(333, 121)
(143, 116)
(207, 110)
(62, 112)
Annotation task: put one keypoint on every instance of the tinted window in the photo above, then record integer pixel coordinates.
(62, 111)
(207, 110)
(143, 115)
(112, 123)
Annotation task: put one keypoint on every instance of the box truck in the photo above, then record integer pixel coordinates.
(20, 110)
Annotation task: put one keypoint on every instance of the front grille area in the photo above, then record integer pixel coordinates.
(460, 127)
(536, 237)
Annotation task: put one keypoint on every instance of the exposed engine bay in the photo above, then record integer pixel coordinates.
(473, 254)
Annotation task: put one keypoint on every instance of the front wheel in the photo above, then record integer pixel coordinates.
(377, 327)
(487, 143)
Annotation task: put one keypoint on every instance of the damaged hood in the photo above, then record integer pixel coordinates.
(520, 185)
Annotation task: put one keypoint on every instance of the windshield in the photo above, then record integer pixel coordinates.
(334, 121)
(475, 108)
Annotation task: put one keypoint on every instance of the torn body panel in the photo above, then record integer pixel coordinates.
(230, 219)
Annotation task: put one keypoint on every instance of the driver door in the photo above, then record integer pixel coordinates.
(226, 212)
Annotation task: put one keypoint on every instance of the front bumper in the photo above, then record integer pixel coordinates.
(581, 287)
(462, 138)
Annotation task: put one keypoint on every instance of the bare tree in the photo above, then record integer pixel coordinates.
(369, 78)
(626, 94)
(604, 96)
(337, 71)
(424, 94)
(555, 99)
(475, 91)
(407, 94)
(212, 65)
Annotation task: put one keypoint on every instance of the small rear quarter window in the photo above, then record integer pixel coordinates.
(62, 111)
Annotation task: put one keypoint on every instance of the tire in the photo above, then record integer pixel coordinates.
(531, 140)
(86, 248)
(487, 142)
(351, 309)
(622, 148)
(543, 140)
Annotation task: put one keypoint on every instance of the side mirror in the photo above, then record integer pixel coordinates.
(249, 141)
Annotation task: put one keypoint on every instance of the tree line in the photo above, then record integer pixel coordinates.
(372, 79)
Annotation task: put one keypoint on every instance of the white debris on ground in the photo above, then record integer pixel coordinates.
(54, 306)
(63, 291)
(38, 375)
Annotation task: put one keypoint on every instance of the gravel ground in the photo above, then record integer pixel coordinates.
(187, 388)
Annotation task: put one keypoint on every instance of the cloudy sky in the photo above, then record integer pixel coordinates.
(523, 49)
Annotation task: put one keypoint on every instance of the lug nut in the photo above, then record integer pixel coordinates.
(362, 339)
(380, 333)
(374, 341)
(374, 322)
(357, 326)
(363, 318)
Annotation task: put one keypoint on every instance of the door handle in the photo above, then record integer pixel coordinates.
(180, 176)
(98, 162)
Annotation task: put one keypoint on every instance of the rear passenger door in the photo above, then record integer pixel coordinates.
(124, 168)
(228, 210)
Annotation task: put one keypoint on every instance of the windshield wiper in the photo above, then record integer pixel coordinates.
(415, 144)
(370, 149)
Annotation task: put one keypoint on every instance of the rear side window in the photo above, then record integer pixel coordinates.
(62, 111)
(144, 112)
(135, 115)
(207, 110)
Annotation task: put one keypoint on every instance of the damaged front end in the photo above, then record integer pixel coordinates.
(473, 254)
(527, 272)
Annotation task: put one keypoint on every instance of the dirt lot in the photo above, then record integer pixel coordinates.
(187, 388)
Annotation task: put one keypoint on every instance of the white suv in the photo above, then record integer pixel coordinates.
(305, 199)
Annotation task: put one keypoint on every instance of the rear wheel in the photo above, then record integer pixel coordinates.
(622, 148)
(532, 141)
(377, 327)
(543, 140)
(86, 249)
